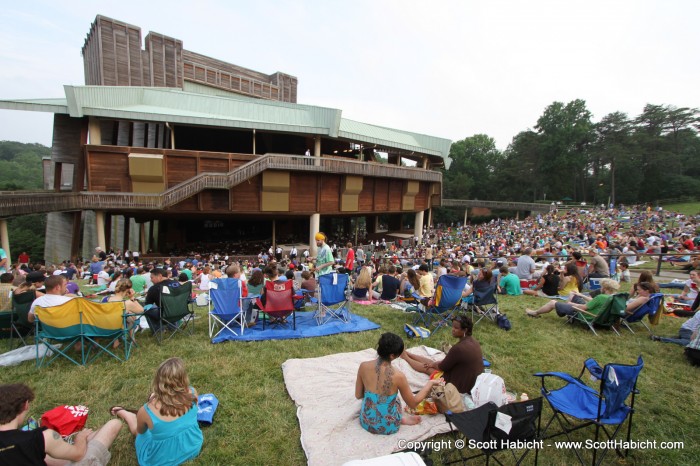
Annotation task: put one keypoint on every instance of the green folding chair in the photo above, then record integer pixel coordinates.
(58, 324)
(176, 311)
(21, 304)
(104, 324)
(609, 317)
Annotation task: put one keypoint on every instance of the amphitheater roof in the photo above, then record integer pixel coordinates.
(230, 111)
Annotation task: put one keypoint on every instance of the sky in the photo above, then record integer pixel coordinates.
(450, 69)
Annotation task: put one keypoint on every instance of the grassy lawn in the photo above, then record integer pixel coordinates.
(256, 421)
(686, 208)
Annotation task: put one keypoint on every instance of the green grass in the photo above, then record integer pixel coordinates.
(256, 421)
(686, 208)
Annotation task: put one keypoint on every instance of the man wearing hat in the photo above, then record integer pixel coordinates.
(324, 258)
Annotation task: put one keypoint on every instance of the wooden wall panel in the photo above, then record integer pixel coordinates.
(246, 196)
(366, 200)
(220, 165)
(381, 194)
(188, 205)
(179, 169)
(66, 146)
(108, 171)
(214, 200)
(395, 194)
(302, 198)
(421, 201)
(330, 194)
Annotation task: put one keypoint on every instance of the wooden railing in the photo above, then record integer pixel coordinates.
(21, 203)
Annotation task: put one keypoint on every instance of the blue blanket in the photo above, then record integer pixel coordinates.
(306, 328)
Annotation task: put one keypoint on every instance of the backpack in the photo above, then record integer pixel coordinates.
(503, 322)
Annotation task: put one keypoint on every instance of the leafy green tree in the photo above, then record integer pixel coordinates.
(565, 133)
(21, 169)
(474, 162)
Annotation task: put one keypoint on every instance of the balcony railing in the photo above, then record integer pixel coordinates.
(20, 203)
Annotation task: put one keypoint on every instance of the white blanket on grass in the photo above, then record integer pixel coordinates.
(324, 392)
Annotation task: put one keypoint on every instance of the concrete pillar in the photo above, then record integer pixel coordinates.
(94, 132)
(5, 243)
(254, 141)
(142, 238)
(274, 234)
(466, 209)
(425, 162)
(314, 227)
(151, 235)
(100, 226)
(418, 228)
(127, 225)
(430, 218)
(317, 152)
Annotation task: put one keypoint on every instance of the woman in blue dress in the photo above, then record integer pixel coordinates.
(378, 385)
(166, 427)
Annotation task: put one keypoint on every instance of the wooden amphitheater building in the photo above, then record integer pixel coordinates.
(164, 147)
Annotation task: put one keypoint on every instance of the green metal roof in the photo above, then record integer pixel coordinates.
(230, 110)
(380, 135)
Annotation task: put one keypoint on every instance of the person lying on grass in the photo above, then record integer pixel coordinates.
(166, 427)
(591, 307)
(378, 385)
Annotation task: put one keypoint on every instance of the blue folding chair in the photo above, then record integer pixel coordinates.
(650, 308)
(444, 304)
(577, 406)
(484, 303)
(332, 300)
(226, 306)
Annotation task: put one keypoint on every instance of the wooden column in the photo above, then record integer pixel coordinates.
(57, 173)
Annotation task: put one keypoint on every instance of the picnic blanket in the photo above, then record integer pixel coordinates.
(324, 392)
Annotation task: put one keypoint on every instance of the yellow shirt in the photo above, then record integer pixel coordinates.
(572, 285)
(426, 286)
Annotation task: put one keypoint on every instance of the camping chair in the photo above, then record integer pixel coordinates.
(175, 310)
(21, 303)
(226, 309)
(279, 303)
(103, 324)
(444, 303)
(608, 317)
(480, 425)
(577, 406)
(484, 304)
(650, 308)
(332, 301)
(58, 324)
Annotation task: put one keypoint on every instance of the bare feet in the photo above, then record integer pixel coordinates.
(410, 419)
(531, 313)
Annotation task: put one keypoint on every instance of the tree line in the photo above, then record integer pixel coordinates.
(21, 169)
(569, 157)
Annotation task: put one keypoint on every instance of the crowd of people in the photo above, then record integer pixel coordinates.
(548, 255)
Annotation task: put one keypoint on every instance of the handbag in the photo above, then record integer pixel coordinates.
(66, 419)
(447, 398)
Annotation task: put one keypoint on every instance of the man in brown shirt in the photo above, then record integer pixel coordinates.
(463, 363)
